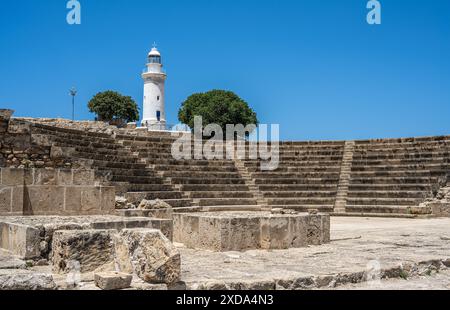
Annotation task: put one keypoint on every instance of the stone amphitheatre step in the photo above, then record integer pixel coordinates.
(298, 181)
(137, 179)
(116, 152)
(151, 195)
(395, 162)
(83, 143)
(365, 214)
(148, 187)
(298, 175)
(305, 207)
(394, 173)
(131, 172)
(226, 201)
(297, 187)
(304, 194)
(220, 194)
(297, 164)
(411, 156)
(120, 165)
(301, 201)
(202, 162)
(195, 180)
(390, 180)
(213, 187)
(388, 186)
(104, 157)
(136, 198)
(208, 174)
(416, 167)
(352, 201)
(383, 209)
(388, 194)
(194, 169)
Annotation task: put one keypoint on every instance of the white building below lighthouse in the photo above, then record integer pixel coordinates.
(154, 116)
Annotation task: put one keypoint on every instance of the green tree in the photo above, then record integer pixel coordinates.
(110, 106)
(219, 107)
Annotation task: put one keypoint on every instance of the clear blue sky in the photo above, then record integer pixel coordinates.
(315, 67)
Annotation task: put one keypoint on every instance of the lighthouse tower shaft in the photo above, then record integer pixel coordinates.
(154, 116)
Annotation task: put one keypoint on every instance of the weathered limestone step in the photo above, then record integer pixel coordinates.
(306, 207)
(220, 194)
(225, 201)
(293, 194)
(351, 201)
(389, 194)
(298, 181)
(392, 209)
(208, 174)
(301, 201)
(213, 187)
(195, 180)
(136, 196)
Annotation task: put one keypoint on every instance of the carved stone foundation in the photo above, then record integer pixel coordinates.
(244, 230)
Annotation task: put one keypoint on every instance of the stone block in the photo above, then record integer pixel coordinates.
(12, 176)
(88, 249)
(64, 177)
(83, 177)
(5, 200)
(21, 240)
(83, 200)
(19, 127)
(45, 177)
(44, 200)
(58, 152)
(108, 194)
(113, 280)
(148, 254)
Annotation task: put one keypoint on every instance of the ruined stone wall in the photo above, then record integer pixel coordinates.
(18, 150)
(53, 192)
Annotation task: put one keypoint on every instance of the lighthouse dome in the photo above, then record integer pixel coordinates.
(154, 52)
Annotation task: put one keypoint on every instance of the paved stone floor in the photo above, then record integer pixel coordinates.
(358, 244)
(360, 248)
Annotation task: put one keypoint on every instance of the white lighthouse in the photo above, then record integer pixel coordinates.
(154, 116)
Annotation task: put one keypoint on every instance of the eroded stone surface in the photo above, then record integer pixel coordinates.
(149, 254)
(11, 279)
(81, 250)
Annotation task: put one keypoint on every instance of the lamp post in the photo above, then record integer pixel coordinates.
(73, 93)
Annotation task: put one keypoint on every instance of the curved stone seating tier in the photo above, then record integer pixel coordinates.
(373, 177)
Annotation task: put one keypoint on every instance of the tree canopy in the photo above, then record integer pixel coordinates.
(219, 107)
(110, 106)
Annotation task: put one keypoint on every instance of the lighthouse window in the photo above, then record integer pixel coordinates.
(157, 98)
(158, 115)
(154, 59)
